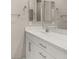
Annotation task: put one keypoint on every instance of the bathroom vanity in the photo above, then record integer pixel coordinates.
(47, 41)
(45, 45)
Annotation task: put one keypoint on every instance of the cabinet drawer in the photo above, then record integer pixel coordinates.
(40, 53)
(44, 55)
(48, 47)
(56, 51)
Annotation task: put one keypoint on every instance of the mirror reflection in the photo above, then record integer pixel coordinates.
(50, 13)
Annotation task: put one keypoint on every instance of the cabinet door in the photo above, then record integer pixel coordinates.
(28, 47)
(31, 50)
(34, 50)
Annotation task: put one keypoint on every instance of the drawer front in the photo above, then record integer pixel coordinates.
(56, 51)
(44, 55)
(40, 53)
(51, 49)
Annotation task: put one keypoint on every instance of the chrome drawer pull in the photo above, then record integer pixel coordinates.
(42, 55)
(29, 46)
(43, 46)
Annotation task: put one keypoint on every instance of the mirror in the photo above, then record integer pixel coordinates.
(30, 14)
(38, 10)
(51, 13)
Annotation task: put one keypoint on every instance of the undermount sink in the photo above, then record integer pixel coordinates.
(59, 31)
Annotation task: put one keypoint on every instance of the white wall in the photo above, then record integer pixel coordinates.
(17, 27)
(62, 5)
(17, 5)
(61, 21)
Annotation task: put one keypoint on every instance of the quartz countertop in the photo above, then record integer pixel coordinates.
(57, 39)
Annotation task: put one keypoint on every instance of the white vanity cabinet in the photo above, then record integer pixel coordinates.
(38, 48)
(35, 52)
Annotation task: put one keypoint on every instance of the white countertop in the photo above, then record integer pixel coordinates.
(57, 39)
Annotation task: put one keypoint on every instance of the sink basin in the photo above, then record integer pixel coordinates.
(59, 31)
